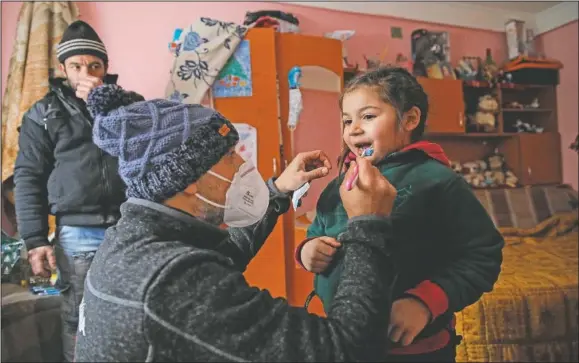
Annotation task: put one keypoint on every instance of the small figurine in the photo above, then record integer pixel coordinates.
(514, 104)
(375, 62)
(535, 103)
(404, 62)
(521, 126)
(575, 144)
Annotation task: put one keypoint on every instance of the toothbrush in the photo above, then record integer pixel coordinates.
(350, 182)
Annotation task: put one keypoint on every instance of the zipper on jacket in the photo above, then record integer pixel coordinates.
(105, 182)
(102, 163)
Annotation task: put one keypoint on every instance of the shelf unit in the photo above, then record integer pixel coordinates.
(535, 158)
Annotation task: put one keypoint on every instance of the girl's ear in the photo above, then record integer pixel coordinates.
(411, 119)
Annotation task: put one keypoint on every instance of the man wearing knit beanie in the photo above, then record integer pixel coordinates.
(60, 171)
(167, 284)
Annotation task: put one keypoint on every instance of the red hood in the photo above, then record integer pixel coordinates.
(431, 149)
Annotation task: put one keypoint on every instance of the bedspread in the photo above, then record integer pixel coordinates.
(531, 315)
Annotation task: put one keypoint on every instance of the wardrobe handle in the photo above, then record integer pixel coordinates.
(274, 167)
(529, 171)
(460, 119)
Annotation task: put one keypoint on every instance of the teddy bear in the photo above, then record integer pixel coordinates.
(485, 118)
(510, 179)
(472, 172)
(456, 166)
(499, 172)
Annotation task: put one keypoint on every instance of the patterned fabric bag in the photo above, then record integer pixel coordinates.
(204, 50)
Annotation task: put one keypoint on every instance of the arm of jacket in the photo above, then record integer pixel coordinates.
(477, 253)
(32, 169)
(209, 312)
(244, 243)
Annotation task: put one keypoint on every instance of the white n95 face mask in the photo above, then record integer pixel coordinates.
(247, 199)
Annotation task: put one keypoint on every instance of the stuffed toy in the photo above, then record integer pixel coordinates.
(485, 118)
(490, 180)
(456, 166)
(472, 172)
(489, 173)
(510, 179)
(521, 126)
(500, 174)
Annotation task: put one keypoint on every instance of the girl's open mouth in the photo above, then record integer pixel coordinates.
(363, 149)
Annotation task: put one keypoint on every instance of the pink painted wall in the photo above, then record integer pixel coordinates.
(137, 44)
(567, 93)
(10, 12)
(317, 126)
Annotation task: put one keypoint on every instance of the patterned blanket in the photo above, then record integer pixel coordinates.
(531, 315)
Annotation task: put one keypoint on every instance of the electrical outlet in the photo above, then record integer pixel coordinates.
(396, 32)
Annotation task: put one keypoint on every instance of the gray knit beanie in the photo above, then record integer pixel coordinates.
(163, 146)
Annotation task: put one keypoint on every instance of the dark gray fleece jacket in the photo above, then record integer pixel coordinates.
(166, 287)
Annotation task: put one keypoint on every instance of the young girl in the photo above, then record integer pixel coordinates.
(448, 250)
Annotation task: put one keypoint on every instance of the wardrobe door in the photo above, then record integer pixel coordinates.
(260, 110)
(320, 60)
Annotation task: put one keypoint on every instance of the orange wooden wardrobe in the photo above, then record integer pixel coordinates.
(272, 56)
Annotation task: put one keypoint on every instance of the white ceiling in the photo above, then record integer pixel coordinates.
(542, 16)
(525, 6)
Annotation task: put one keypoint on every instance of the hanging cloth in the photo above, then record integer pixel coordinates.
(205, 49)
(39, 29)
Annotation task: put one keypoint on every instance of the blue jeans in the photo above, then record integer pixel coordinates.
(74, 249)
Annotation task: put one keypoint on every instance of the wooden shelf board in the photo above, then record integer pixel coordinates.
(518, 87)
(527, 110)
(477, 84)
(471, 134)
(353, 70)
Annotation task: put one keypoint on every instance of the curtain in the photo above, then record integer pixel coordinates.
(40, 27)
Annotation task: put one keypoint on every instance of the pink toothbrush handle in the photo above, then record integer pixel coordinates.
(350, 182)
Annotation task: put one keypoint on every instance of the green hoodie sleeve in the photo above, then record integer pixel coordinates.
(316, 229)
(476, 248)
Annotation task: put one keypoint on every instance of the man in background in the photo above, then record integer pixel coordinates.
(59, 171)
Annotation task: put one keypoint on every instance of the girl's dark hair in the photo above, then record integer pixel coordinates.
(397, 87)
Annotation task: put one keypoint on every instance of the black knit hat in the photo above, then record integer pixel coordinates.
(80, 39)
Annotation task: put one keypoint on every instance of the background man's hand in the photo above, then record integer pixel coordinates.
(305, 167)
(85, 85)
(42, 260)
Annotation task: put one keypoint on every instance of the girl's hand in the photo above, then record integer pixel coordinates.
(317, 253)
(408, 318)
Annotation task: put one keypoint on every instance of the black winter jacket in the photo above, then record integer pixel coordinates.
(60, 171)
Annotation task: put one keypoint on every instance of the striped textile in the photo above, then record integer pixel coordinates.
(527, 206)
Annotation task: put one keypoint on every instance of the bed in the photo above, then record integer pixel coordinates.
(531, 315)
